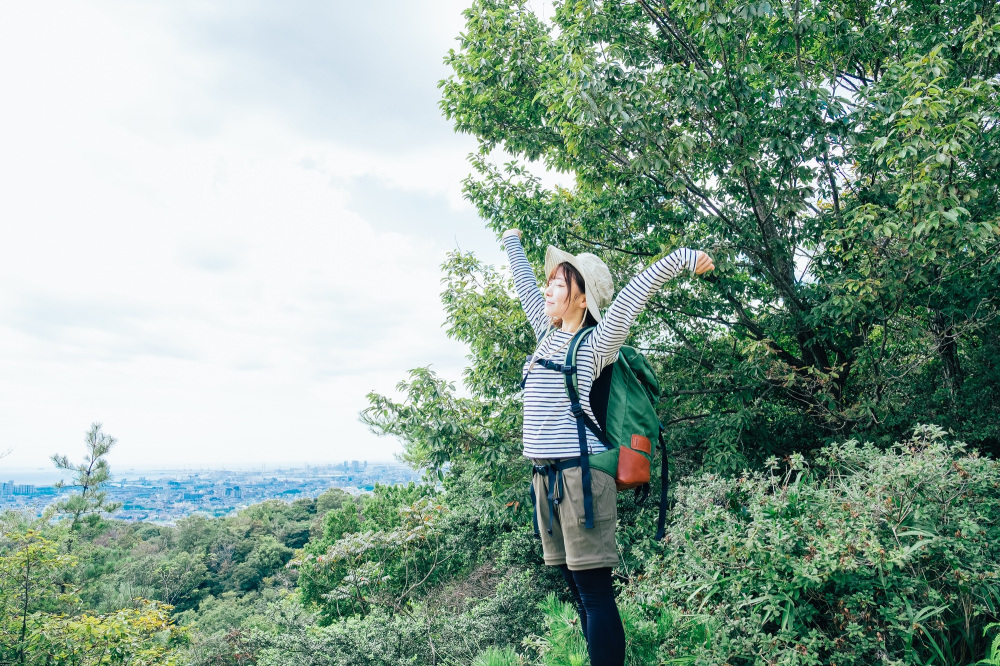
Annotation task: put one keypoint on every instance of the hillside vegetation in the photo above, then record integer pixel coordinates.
(859, 556)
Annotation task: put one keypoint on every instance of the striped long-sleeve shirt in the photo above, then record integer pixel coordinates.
(549, 426)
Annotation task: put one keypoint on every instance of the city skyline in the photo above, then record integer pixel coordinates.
(51, 472)
(164, 497)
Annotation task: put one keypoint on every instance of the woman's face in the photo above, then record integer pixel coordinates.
(558, 304)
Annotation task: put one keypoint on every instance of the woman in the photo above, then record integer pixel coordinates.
(578, 288)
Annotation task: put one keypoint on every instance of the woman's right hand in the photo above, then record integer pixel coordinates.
(511, 232)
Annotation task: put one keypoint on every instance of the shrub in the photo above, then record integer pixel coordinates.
(565, 645)
(864, 556)
(497, 657)
(437, 630)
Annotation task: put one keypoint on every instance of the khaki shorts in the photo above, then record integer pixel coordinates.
(570, 542)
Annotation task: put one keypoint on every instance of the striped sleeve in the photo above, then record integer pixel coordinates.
(526, 286)
(614, 327)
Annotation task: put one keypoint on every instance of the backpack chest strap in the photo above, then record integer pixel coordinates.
(565, 368)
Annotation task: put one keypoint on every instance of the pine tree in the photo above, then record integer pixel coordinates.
(87, 507)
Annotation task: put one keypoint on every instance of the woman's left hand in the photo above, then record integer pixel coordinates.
(704, 263)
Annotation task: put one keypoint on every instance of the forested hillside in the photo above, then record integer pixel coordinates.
(829, 395)
(855, 556)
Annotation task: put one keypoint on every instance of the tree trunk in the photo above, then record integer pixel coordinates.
(27, 596)
(946, 341)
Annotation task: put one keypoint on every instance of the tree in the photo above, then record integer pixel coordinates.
(838, 159)
(29, 566)
(141, 636)
(88, 506)
(376, 552)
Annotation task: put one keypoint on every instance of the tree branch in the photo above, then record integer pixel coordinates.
(667, 31)
(707, 365)
(697, 416)
(709, 391)
(610, 247)
(758, 333)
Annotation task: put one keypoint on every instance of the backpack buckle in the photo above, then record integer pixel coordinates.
(567, 369)
(577, 410)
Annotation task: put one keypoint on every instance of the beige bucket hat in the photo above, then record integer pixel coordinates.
(599, 287)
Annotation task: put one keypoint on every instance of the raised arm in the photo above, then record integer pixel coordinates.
(614, 327)
(525, 284)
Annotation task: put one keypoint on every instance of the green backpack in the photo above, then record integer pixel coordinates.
(623, 399)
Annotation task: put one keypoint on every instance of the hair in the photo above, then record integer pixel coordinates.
(573, 279)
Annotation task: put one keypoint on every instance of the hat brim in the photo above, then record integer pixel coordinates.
(553, 257)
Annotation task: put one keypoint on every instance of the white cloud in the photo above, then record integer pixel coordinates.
(193, 272)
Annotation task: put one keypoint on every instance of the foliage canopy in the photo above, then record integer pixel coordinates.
(838, 159)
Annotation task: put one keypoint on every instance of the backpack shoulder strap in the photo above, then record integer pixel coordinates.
(661, 521)
(569, 373)
(574, 347)
(573, 386)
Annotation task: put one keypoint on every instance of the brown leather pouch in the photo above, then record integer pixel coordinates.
(633, 466)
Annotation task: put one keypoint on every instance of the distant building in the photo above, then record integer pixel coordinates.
(10, 488)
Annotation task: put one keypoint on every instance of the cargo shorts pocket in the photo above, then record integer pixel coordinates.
(596, 547)
(605, 497)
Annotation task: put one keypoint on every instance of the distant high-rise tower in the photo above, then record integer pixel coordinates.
(355, 466)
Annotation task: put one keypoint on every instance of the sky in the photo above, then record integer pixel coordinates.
(222, 225)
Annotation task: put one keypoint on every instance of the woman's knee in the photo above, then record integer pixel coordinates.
(595, 583)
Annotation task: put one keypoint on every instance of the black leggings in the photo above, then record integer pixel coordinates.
(594, 596)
